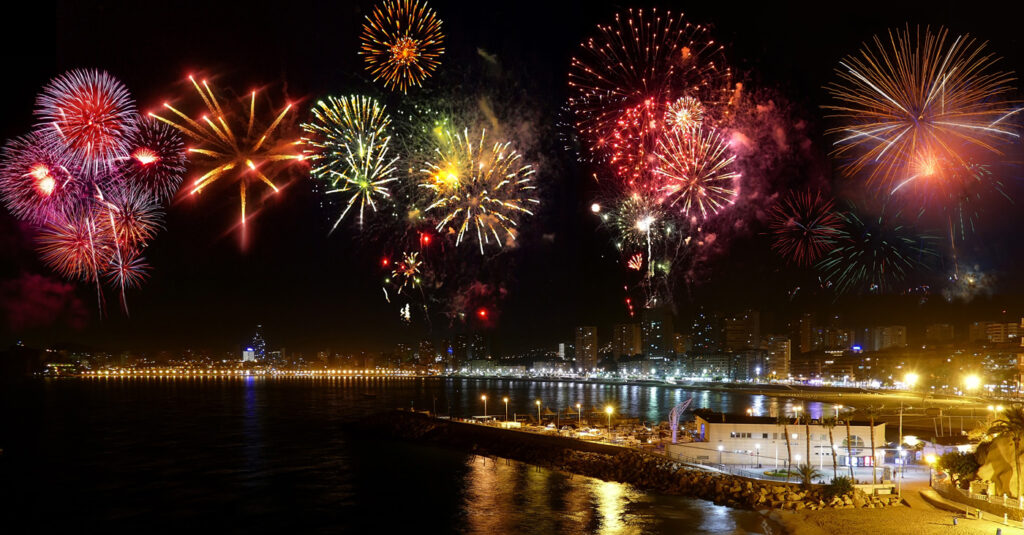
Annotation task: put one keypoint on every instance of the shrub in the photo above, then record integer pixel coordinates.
(961, 467)
(839, 486)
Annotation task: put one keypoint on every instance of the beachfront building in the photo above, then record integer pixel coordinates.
(751, 440)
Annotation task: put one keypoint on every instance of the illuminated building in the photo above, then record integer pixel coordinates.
(658, 333)
(626, 340)
(779, 350)
(248, 355)
(879, 338)
(743, 331)
(939, 332)
(705, 332)
(586, 348)
(259, 344)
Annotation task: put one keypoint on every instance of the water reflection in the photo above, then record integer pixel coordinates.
(509, 497)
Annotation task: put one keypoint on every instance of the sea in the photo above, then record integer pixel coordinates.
(274, 455)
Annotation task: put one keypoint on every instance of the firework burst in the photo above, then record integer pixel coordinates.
(156, 158)
(696, 166)
(919, 95)
(805, 226)
(407, 273)
(36, 182)
(874, 253)
(131, 216)
(88, 114)
(643, 55)
(479, 187)
(75, 246)
(349, 151)
(684, 113)
(232, 144)
(402, 42)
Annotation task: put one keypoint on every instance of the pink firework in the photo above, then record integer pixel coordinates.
(127, 270)
(35, 182)
(156, 158)
(697, 170)
(87, 113)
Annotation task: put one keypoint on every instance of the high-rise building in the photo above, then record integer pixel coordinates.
(658, 333)
(806, 333)
(704, 332)
(939, 332)
(627, 340)
(978, 331)
(879, 338)
(248, 355)
(479, 348)
(259, 344)
(1002, 332)
(683, 343)
(779, 350)
(743, 331)
(586, 348)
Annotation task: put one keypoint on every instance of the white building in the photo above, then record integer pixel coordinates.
(750, 440)
(248, 355)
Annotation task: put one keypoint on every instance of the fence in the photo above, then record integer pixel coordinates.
(995, 505)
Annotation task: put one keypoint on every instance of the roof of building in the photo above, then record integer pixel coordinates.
(769, 420)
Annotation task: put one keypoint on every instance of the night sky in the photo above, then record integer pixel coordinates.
(313, 291)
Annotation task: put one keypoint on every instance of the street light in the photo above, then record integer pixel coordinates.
(608, 410)
(750, 412)
(910, 380)
(837, 408)
(972, 382)
(757, 453)
(579, 411)
(719, 454)
(538, 412)
(505, 399)
(484, 397)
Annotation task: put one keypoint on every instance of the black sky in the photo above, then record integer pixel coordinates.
(311, 290)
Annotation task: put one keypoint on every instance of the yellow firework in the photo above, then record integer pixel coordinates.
(916, 94)
(233, 143)
(348, 146)
(478, 187)
(697, 171)
(684, 113)
(402, 42)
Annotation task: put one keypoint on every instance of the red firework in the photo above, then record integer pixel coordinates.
(75, 247)
(639, 57)
(805, 226)
(156, 158)
(88, 113)
(127, 270)
(36, 183)
(130, 216)
(634, 141)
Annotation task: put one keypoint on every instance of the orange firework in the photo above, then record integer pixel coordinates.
(234, 144)
(402, 42)
(919, 97)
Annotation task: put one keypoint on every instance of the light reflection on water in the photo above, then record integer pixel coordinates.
(509, 497)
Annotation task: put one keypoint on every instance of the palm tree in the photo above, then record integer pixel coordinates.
(805, 418)
(807, 473)
(849, 443)
(1011, 423)
(871, 412)
(784, 421)
(830, 423)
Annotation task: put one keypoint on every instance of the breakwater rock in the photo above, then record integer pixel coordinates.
(612, 463)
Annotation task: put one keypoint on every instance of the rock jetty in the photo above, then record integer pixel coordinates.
(612, 463)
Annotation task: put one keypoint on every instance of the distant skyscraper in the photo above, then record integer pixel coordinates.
(626, 340)
(705, 333)
(586, 348)
(479, 348)
(779, 350)
(743, 331)
(879, 338)
(939, 332)
(806, 333)
(658, 333)
(259, 345)
(248, 355)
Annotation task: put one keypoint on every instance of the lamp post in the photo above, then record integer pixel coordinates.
(930, 459)
(608, 410)
(757, 454)
(484, 397)
(538, 412)
(579, 412)
(719, 454)
(837, 408)
(505, 399)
